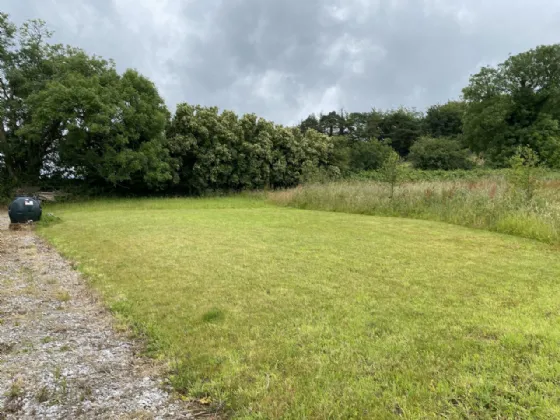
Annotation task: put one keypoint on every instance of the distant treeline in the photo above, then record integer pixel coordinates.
(71, 118)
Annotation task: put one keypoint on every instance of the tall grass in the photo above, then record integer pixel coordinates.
(409, 174)
(489, 203)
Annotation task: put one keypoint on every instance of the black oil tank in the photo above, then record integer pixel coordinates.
(25, 209)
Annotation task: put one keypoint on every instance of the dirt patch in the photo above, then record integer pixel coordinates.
(60, 355)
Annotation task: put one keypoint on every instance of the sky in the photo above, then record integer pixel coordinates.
(285, 59)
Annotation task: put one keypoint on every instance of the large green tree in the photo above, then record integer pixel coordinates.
(516, 104)
(27, 63)
(65, 111)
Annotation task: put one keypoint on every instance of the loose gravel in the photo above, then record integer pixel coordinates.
(61, 356)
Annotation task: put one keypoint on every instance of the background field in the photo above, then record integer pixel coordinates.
(274, 312)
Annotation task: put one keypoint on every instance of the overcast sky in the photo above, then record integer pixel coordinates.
(284, 59)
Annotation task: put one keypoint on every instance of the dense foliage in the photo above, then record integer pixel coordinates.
(513, 104)
(223, 152)
(68, 117)
(445, 120)
(439, 153)
(68, 114)
(400, 128)
(516, 104)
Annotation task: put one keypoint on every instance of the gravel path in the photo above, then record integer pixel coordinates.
(60, 355)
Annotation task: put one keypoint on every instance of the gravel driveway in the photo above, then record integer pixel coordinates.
(60, 354)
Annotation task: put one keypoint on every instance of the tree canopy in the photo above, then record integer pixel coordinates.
(64, 111)
(445, 120)
(67, 114)
(516, 104)
(219, 151)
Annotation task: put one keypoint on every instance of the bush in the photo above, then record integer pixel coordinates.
(525, 174)
(439, 153)
(368, 155)
(391, 171)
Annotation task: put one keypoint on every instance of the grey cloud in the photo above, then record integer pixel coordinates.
(285, 59)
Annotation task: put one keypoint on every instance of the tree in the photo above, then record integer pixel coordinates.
(203, 146)
(109, 128)
(310, 123)
(66, 112)
(403, 127)
(515, 104)
(368, 155)
(445, 120)
(364, 126)
(223, 152)
(26, 65)
(439, 153)
(391, 171)
(525, 173)
(332, 124)
(341, 154)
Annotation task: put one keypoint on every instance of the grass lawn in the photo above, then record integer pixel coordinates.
(283, 313)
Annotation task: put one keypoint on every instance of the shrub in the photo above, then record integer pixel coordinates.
(391, 171)
(525, 174)
(368, 155)
(439, 153)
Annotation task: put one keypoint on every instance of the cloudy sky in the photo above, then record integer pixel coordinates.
(284, 59)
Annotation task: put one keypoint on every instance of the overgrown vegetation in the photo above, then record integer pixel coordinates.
(522, 201)
(271, 312)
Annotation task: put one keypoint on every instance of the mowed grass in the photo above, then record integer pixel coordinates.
(271, 312)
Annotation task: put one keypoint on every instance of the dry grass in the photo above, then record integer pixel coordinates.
(63, 296)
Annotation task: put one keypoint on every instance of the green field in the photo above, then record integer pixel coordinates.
(275, 312)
